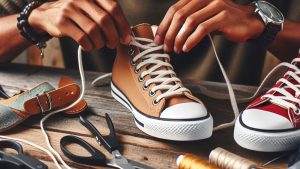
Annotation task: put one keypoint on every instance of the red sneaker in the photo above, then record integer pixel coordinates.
(271, 123)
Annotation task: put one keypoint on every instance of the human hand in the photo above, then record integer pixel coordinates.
(92, 24)
(188, 21)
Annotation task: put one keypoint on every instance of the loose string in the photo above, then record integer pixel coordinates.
(230, 91)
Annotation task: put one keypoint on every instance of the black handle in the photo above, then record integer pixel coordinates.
(110, 142)
(12, 144)
(96, 158)
(21, 160)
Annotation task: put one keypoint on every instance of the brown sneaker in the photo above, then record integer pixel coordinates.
(143, 80)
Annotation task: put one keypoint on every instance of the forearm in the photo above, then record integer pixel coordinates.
(287, 42)
(11, 42)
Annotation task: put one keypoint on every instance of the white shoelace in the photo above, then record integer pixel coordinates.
(160, 71)
(161, 77)
(166, 80)
(285, 99)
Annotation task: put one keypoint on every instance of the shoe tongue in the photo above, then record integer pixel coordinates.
(143, 30)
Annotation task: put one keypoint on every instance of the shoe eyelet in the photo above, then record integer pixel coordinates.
(145, 87)
(132, 63)
(137, 70)
(140, 79)
(151, 93)
(130, 51)
(155, 102)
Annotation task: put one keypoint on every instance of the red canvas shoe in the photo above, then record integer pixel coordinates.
(271, 123)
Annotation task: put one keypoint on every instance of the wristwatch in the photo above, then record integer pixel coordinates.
(273, 19)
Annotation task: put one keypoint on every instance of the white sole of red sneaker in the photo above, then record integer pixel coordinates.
(265, 141)
(169, 129)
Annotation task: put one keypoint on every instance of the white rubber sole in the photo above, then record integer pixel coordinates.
(177, 130)
(266, 141)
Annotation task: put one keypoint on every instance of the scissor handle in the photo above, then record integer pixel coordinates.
(20, 160)
(110, 142)
(12, 144)
(96, 158)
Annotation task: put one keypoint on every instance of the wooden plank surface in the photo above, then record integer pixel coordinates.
(136, 145)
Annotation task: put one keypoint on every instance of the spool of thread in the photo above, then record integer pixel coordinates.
(190, 161)
(227, 160)
(218, 159)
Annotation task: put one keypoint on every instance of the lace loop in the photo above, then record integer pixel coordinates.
(286, 99)
(160, 70)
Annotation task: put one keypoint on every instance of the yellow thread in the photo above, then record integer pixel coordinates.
(190, 161)
(218, 159)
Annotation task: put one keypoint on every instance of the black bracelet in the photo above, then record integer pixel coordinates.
(27, 31)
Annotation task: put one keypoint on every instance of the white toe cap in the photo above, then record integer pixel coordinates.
(264, 120)
(190, 110)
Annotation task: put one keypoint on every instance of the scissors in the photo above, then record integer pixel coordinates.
(110, 143)
(19, 161)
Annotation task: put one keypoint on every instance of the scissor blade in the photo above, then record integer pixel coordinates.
(138, 165)
(120, 161)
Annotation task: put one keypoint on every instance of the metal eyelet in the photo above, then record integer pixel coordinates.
(140, 79)
(297, 111)
(145, 87)
(137, 70)
(151, 93)
(155, 102)
(131, 51)
(132, 62)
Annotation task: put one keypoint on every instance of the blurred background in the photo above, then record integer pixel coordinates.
(245, 63)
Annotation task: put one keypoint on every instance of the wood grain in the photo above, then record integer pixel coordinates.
(136, 145)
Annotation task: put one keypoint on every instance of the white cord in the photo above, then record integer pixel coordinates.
(81, 71)
(230, 90)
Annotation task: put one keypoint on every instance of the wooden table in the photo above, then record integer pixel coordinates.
(135, 144)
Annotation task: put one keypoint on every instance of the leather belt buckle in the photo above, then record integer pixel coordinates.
(43, 111)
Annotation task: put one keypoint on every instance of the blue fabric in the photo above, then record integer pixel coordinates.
(19, 102)
(7, 117)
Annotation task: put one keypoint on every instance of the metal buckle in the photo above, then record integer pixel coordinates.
(49, 103)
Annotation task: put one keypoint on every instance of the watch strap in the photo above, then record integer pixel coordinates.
(269, 34)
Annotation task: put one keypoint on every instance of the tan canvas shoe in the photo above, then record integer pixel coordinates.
(143, 80)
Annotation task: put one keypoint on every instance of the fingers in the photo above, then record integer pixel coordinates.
(115, 11)
(102, 21)
(192, 22)
(71, 30)
(177, 22)
(203, 29)
(166, 22)
(87, 25)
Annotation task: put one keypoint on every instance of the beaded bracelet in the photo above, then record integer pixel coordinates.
(26, 30)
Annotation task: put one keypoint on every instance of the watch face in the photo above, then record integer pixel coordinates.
(270, 11)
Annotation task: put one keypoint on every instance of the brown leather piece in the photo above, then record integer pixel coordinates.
(143, 30)
(59, 98)
(79, 107)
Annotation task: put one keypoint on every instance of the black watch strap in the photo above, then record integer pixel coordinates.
(269, 34)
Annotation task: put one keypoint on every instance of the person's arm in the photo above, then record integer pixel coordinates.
(11, 41)
(188, 21)
(93, 24)
(287, 42)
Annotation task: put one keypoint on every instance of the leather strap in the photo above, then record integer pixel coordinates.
(53, 100)
(79, 107)
(67, 93)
